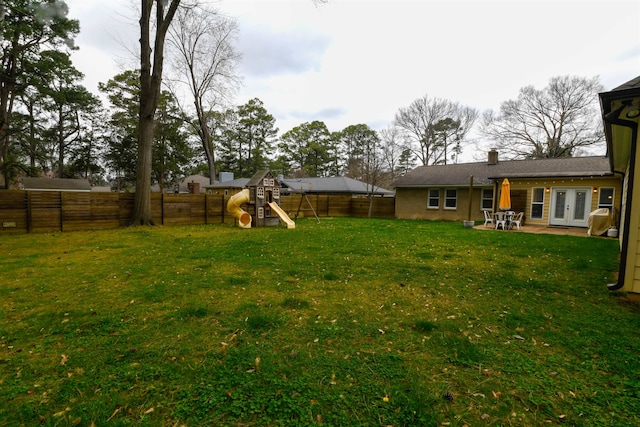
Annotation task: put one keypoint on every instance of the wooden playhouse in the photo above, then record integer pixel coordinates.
(261, 199)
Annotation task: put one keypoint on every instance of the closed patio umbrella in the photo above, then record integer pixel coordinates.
(505, 195)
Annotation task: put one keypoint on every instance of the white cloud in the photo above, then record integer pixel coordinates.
(350, 62)
(267, 51)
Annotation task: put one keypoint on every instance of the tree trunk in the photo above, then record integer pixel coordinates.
(142, 202)
(4, 138)
(150, 81)
(212, 169)
(7, 85)
(60, 143)
(205, 135)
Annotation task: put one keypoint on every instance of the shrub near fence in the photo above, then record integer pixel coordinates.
(51, 211)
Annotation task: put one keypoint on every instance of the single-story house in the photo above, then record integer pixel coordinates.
(559, 191)
(325, 186)
(56, 184)
(336, 185)
(194, 184)
(621, 113)
(226, 188)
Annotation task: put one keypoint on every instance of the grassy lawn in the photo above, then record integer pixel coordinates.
(350, 322)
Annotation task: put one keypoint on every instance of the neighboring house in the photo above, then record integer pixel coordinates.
(194, 184)
(56, 184)
(621, 113)
(561, 191)
(101, 188)
(191, 184)
(226, 188)
(325, 186)
(332, 185)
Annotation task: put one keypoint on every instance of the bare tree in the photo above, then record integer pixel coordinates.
(392, 147)
(423, 122)
(204, 62)
(371, 165)
(561, 120)
(150, 82)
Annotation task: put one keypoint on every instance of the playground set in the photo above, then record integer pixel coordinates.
(261, 201)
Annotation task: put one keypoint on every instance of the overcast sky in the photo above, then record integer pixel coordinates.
(355, 61)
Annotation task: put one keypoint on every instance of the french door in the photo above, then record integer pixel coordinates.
(570, 206)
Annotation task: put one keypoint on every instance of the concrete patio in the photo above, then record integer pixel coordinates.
(570, 231)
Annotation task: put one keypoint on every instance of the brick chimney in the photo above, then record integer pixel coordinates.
(194, 187)
(493, 157)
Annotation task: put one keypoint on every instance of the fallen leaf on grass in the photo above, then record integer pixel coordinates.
(333, 379)
(114, 414)
(64, 359)
(61, 413)
(148, 411)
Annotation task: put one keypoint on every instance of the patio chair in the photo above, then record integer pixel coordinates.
(517, 220)
(501, 220)
(488, 218)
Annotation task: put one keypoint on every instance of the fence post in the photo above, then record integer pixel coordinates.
(161, 207)
(61, 212)
(29, 214)
(206, 209)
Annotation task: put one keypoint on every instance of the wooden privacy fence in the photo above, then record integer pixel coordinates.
(51, 211)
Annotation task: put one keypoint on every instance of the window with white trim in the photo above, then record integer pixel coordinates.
(537, 203)
(605, 198)
(260, 192)
(487, 199)
(433, 199)
(450, 198)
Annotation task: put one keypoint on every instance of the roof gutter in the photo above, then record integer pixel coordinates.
(613, 118)
(539, 175)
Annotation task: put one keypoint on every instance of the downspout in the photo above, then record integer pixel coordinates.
(613, 117)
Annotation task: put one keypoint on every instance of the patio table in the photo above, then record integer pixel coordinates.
(506, 216)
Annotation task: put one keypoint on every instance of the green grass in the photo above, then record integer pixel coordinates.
(350, 322)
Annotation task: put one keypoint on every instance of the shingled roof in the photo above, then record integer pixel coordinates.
(257, 177)
(234, 183)
(55, 184)
(337, 184)
(485, 173)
